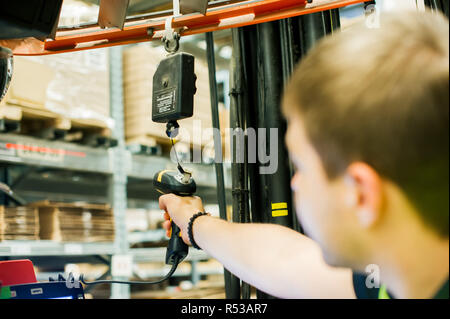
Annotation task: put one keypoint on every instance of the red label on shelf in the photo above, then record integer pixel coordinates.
(56, 153)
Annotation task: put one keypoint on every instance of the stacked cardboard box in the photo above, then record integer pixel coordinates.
(140, 63)
(19, 223)
(75, 222)
(29, 83)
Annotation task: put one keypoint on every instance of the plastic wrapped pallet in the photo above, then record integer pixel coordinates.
(73, 85)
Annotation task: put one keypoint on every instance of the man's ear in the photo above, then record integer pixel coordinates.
(366, 195)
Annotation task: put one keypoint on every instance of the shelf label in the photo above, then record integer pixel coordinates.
(6, 151)
(122, 266)
(40, 153)
(20, 249)
(73, 249)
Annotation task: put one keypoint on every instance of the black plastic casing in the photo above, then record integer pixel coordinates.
(25, 18)
(166, 182)
(170, 185)
(176, 247)
(174, 88)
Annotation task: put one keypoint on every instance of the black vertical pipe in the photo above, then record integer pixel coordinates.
(312, 28)
(271, 89)
(290, 53)
(249, 41)
(287, 48)
(430, 3)
(331, 19)
(248, 38)
(274, 188)
(216, 125)
(442, 5)
(232, 286)
(268, 54)
(303, 33)
(238, 120)
(239, 116)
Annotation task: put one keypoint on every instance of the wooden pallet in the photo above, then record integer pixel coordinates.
(42, 123)
(19, 223)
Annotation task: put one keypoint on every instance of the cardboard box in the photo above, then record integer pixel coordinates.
(29, 83)
(19, 223)
(75, 222)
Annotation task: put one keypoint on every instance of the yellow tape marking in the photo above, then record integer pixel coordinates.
(282, 205)
(279, 213)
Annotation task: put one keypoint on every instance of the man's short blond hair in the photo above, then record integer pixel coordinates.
(382, 96)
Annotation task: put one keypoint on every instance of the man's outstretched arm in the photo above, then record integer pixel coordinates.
(272, 258)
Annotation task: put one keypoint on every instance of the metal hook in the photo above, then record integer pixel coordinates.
(171, 37)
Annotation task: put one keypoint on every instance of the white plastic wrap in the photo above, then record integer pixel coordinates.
(75, 12)
(80, 86)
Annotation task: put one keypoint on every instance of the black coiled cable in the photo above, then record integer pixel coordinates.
(169, 274)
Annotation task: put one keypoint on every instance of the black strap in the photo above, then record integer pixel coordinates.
(191, 222)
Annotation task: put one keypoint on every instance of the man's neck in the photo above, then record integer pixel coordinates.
(413, 259)
(415, 265)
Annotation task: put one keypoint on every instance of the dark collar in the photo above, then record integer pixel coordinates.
(443, 292)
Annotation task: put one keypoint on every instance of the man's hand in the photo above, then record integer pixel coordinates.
(180, 209)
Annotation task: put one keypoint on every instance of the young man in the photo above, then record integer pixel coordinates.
(368, 132)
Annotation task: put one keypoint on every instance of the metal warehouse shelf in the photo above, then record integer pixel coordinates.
(21, 149)
(26, 150)
(49, 248)
(159, 254)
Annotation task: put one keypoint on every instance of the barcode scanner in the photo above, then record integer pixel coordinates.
(178, 182)
(181, 183)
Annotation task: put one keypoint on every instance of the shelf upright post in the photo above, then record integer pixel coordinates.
(117, 191)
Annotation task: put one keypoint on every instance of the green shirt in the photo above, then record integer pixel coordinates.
(362, 292)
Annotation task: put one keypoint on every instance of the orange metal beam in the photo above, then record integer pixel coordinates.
(255, 12)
